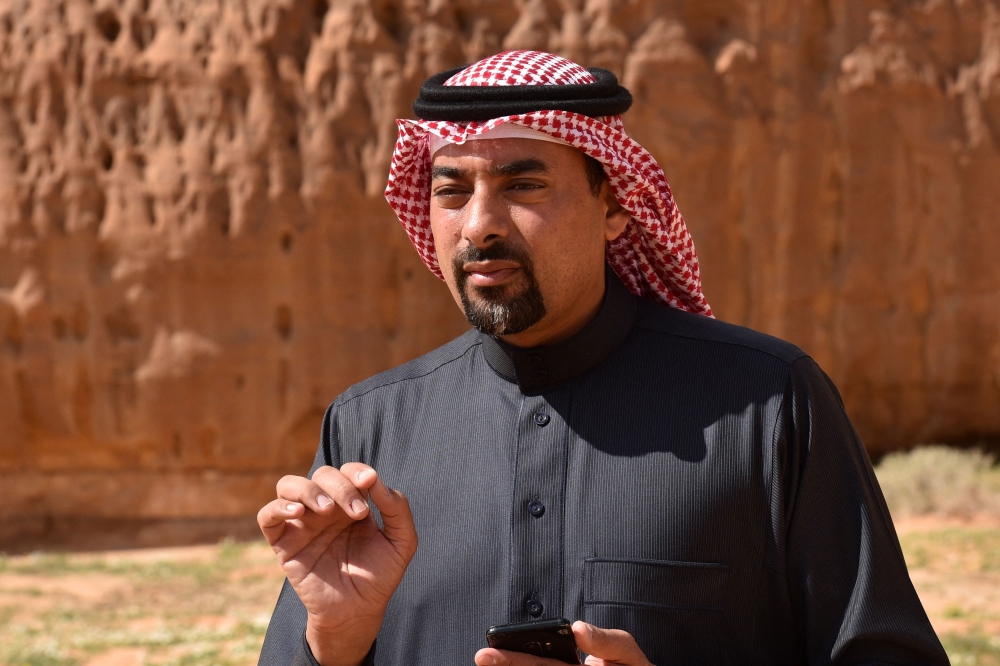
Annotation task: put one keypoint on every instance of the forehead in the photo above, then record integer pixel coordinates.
(486, 153)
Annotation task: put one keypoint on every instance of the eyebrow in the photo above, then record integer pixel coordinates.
(516, 168)
(447, 172)
(519, 167)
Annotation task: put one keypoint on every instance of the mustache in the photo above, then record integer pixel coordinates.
(500, 250)
(505, 309)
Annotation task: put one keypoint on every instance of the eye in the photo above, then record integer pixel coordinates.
(449, 197)
(526, 186)
(449, 192)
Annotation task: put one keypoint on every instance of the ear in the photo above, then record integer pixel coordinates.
(616, 218)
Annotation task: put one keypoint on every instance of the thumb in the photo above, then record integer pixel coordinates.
(397, 520)
(610, 645)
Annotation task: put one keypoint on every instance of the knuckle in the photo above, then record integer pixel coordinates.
(401, 498)
(329, 482)
(323, 472)
(344, 490)
(345, 497)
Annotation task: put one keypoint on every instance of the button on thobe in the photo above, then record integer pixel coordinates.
(536, 571)
(536, 509)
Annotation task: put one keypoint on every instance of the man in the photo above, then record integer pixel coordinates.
(599, 448)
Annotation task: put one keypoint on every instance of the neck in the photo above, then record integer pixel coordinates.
(539, 368)
(554, 329)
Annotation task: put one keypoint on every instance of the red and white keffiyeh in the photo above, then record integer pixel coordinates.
(654, 257)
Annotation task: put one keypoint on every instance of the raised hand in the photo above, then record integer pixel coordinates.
(343, 568)
(604, 647)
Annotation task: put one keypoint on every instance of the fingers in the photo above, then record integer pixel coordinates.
(331, 492)
(360, 474)
(313, 503)
(328, 489)
(494, 657)
(608, 645)
(605, 647)
(339, 484)
(273, 516)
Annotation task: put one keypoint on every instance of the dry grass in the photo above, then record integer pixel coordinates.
(946, 505)
(210, 605)
(171, 607)
(955, 566)
(941, 481)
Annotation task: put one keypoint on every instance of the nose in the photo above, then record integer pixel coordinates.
(486, 218)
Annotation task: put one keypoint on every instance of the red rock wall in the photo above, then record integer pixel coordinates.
(195, 257)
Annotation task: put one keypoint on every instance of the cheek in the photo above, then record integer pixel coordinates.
(562, 236)
(444, 231)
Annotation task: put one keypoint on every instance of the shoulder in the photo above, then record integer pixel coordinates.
(426, 366)
(711, 335)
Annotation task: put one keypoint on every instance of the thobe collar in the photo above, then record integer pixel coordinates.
(538, 368)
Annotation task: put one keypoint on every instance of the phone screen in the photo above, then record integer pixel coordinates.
(552, 639)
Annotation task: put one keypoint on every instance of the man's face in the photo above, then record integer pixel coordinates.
(520, 235)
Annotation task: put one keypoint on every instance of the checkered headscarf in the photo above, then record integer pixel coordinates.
(654, 257)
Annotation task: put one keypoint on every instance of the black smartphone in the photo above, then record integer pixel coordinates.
(552, 639)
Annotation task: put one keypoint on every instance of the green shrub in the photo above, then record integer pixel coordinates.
(940, 480)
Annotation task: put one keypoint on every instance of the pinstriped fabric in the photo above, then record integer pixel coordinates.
(701, 488)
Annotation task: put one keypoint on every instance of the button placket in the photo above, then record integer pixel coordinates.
(536, 583)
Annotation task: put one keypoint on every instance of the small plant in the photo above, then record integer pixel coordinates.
(974, 649)
(954, 612)
(940, 480)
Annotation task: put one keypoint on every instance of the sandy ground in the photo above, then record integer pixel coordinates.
(955, 567)
(211, 604)
(171, 606)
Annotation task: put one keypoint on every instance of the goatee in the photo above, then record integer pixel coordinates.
(503, 309)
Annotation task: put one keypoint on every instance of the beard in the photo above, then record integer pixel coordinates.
(504, 309)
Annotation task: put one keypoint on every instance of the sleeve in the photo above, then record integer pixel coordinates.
(285, 642)
(849, 588)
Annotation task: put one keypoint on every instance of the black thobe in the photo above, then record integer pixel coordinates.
(692, 482)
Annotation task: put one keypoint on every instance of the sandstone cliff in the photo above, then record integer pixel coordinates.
(195, 258)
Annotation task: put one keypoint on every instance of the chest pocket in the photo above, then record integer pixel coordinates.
(673, 609)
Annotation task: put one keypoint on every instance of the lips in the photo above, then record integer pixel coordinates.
(490, 273)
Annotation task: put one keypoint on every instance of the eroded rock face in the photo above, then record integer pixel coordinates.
(195, 257)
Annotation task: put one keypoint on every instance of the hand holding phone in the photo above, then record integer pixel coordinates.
(558, 640)
(551, 639)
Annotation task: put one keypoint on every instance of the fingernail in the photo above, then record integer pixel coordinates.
(490, 661)
(292, 506)
(364, 474)
(358, 506)
(323, 501)
(590, 631)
